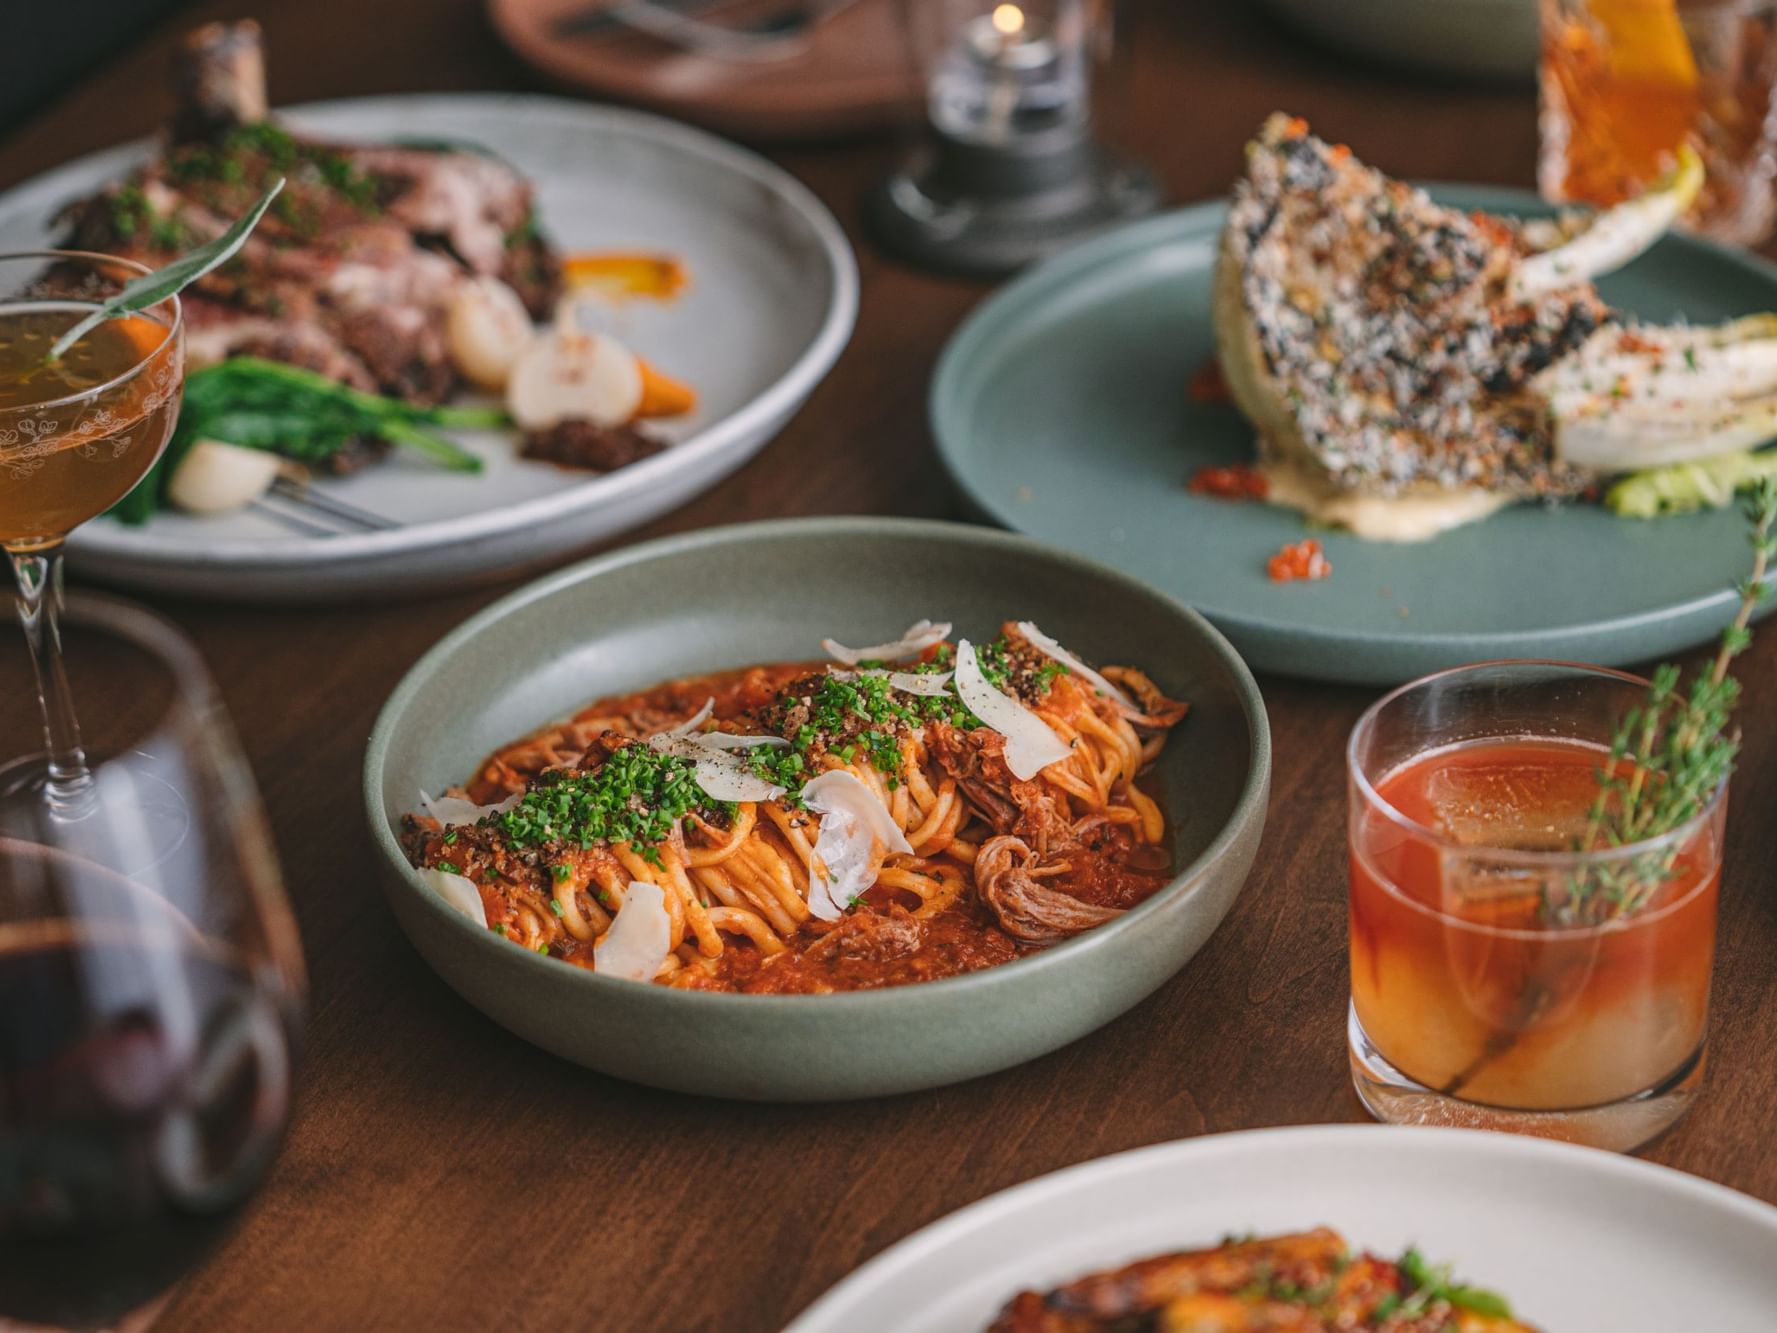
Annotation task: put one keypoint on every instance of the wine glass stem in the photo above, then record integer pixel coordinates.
(38, 573)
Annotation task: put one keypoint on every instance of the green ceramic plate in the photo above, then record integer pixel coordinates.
(1060, 409)
(766, 592)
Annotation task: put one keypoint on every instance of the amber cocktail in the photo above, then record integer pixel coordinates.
(76, 433)
(1625, 82)
(1506, 971)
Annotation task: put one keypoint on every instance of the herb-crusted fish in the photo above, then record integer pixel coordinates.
(1409, 366)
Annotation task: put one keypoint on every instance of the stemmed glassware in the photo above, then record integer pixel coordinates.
(150, 986)
(76, 434)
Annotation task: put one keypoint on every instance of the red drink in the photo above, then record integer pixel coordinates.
(1457, 974)
(1510, 969)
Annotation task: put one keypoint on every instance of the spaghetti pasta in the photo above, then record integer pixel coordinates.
(995, 864)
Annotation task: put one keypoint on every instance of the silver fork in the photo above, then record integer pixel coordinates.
(320, 515)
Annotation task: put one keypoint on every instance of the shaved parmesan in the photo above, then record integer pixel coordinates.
(918, 637)
(451, 811)
(1049, 648)
(639, 939)
(853, 823)
(1030, 745)
(719, 771)
(724, 778)
(931, 684)
(460, 892)
(727, 740)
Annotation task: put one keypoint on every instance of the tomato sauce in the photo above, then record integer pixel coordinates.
(880, 942)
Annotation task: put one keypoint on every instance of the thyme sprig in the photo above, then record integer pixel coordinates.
(1668, 756)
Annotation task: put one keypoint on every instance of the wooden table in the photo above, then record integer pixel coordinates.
(442, 1174)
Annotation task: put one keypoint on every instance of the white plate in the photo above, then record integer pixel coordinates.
(773, 295)
(1491, 38)
(1578, 1240)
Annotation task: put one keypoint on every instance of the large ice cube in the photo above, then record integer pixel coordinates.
(1524, 807)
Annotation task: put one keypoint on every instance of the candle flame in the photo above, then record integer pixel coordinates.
(1008, 20)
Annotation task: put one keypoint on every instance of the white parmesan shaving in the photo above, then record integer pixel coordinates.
(460, 892)
(727, 740)
(1030, 745)
(719, 772)
(930, 684)
(724, 778)
(453, 811)
(853, 823)
(918, 637)
(1050, 648)
(639, 939)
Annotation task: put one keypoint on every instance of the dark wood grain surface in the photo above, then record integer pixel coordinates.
(440, 1174)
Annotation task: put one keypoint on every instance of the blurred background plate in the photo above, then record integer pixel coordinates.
(1490, 38)
(857, 74)
(772, 297)
(1573, 1237)
(1060, 408)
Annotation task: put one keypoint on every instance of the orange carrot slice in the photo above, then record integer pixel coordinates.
(664, 396)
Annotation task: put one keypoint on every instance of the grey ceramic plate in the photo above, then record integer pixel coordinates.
(1643, 1248)
(770, 591)
(772, 298)
(1060, 408)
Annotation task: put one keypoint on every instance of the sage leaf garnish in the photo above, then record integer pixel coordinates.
(152, 288)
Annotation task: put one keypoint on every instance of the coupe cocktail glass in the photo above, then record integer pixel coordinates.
(76, 434)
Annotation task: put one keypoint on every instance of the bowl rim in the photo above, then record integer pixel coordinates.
(1248, 809)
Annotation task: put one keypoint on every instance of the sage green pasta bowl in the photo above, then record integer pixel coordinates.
(770, 592)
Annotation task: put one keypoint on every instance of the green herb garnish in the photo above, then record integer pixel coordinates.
(153, 288)
(1668, 756)
(287, 410)
(636, 796)
(1432, 1283)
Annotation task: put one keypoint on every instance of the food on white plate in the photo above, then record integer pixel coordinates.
(354, 269)
(569, 374)
(626, 275)
(404, 272)
(214, 477)
(488, 329)
(1410, 367)
(293, 414)
(580, 396)
(1309, 1282)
